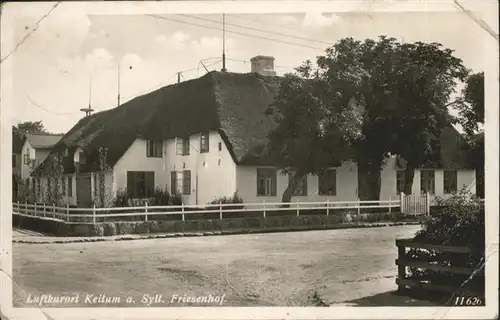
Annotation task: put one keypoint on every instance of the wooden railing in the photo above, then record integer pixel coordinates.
(403, 262)
(66, 213)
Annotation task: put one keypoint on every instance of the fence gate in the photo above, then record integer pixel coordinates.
(415, 203)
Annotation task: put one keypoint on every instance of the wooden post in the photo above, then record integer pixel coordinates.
(93, 214)
(67, 212)
(264, 203)
(18, 207)
(54, 211)
(298, 211)
(44, 208)
(146, 211)
(220, 210)
(182, 209)
(359, 208)
(390, 205)
(428, 204)
(327, 207)
(33, 209)
(401, 201)
(26, 206)
(401, 265)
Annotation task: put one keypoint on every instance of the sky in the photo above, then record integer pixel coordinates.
(73, 56)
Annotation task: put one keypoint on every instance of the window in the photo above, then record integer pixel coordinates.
(27, 156)
(81, 155)
(182, 146)
(450, 181)
(301, 188)
(220, 146)
(140, 184)
(180, 182)
(204, 143)
(327, 183)
(70, 186)
(266, 182)
(14, 160)
(154, 148)
(400, 181)
(427, 181)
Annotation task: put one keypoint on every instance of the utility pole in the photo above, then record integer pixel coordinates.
(224, 42)
(88, 111)
(118, 83)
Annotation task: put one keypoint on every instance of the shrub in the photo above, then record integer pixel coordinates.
(175, 200)
(121, 199)
(460, 222)
(160, 198)
(234, 199)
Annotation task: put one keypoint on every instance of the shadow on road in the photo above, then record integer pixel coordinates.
(388, 299)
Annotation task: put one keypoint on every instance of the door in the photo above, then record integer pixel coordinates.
(83, 191)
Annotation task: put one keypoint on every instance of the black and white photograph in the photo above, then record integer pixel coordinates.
(319, 159)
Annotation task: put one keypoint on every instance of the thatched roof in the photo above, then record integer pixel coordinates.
(231, 103)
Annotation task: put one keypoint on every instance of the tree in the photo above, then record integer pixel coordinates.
(470, 109)
(402, 89)
(426, 80)
(471, 105)
(316, 126)
(31, 127)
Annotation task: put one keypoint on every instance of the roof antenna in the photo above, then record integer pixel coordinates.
(118, 83)
(223, 42)
(89, 110)
(179, 77)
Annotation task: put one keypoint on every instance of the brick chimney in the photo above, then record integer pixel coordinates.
(263, 65)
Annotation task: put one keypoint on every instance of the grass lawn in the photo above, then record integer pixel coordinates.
(280, 269)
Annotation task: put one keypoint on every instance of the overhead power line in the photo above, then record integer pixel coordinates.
(30, 33)
(50, 111)
(257, 29)
(236, 32)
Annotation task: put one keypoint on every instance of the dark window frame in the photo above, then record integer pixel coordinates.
(183, 146)
(326, 185)
(204, 142)
(426, 176)
(70, 186)
(301, 188)
(154, 148)
(447, 188)
(400, 181)
(135, 179)
(267, 180)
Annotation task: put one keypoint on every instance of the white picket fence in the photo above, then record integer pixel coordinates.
(93, 214)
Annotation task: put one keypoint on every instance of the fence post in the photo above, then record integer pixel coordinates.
(327, 207)
(264, 213)
(298, 211)
(146, 211)
(34, 213)
(67, 211)
(359, 208)
(428, 203)
(93, 214)
(26, 206)
(182, 210)
(220, 210)
(18, 207)
(390, 205)
(401, 202)
(53, 211)
(44, 209)
(401, 266)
